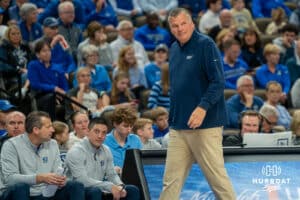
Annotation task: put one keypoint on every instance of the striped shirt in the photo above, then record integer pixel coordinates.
(157, 98)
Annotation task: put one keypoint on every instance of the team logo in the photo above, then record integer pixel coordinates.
(271, 170)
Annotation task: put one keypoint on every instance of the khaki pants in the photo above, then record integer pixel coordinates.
(203, 146)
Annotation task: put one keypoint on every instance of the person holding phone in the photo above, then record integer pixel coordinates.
(91, 163)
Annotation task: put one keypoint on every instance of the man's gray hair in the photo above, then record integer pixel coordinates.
(124, 24)
(242, 79)
(65, 4)
(177, 11)
(268, 110)
(27, 8)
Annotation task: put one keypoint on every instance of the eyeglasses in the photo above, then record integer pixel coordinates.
(269, 122)
(85, 75)
(247, 85)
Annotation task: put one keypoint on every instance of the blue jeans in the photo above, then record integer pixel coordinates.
(73, 190)
(94, 193)
(133, 193)
(16, 192)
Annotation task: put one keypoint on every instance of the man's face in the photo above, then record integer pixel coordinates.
(15, 124)
(182, 27)
(46, 131)
(67, 15)
(123, 129)
(226, 19)
(153, 21)
(250, 124)
(127, 32)
(50, 32)
(247, 86)
(162, 122)
(289, 36)
(233, 52)
(97, 135)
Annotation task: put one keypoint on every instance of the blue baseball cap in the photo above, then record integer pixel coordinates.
(161, 47)
(5, 105)
(50, 22)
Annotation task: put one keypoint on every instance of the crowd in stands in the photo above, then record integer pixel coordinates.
(105, 64)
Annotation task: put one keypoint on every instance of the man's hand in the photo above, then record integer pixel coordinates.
(247, 99)
(197, 118)
(52, 179)
(118, 192)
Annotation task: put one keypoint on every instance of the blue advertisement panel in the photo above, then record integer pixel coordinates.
(251, 181)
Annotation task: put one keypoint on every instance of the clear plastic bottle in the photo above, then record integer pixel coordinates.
(49, 190)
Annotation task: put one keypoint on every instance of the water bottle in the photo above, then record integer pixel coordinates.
(49, 190)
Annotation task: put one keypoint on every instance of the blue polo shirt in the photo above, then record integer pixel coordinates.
(281, 75)
(118, 152)
(232, 73)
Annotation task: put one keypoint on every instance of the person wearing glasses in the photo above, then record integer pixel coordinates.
(250, 122)
(273, 94)
(243, 100)
(269, 119)
(91, 163)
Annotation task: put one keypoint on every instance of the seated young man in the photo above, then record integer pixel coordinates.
(121, 138)
(33, 159)
(91, 163)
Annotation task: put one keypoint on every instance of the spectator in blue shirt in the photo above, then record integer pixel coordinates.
(272, 71)
(121, 137)
(52, 11)
(4, 5)
(234, 67)
(262, 8)
(60, 49)
(45, 78)
(67, 27)
(41, 4)
(30, 28)
(151, 34)
(160, 126)
(14, 11)
(104, 14)
(293, 64)
(128, 9)
(273, 94)
(100, 78)
(153, 70)
(243, 100)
